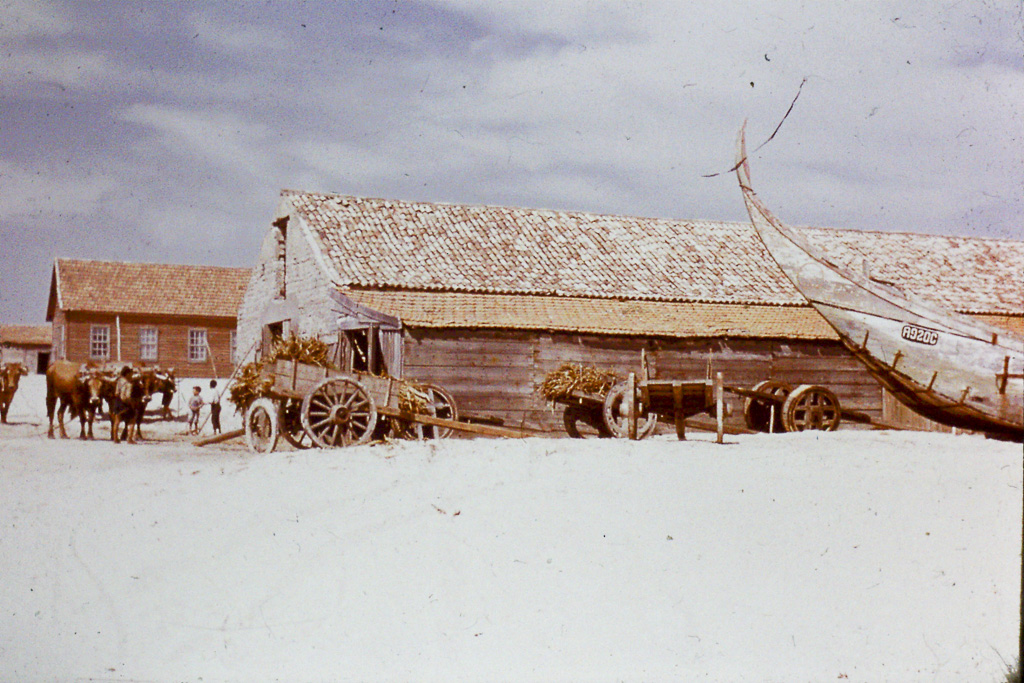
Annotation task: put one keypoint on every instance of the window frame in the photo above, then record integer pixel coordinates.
(145, 345)
(95, 343)
(197, 353)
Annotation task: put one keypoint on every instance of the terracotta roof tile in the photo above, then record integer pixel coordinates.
(149, 288)
(456, 248)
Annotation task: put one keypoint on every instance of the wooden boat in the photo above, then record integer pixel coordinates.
(944, 366)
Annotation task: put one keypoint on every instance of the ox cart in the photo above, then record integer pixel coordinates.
(310, 405)
(633, 408)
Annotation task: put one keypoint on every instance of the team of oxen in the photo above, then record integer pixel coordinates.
(82, 390)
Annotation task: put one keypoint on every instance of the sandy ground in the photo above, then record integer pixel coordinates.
(855, 555)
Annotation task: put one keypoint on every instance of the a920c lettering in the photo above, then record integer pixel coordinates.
(920, 335)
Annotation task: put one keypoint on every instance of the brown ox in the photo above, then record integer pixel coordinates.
(10, 375)
(77, 389)
(130, 412)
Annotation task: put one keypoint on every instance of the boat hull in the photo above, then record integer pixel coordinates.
(944, 366)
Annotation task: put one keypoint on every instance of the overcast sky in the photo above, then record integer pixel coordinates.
(163, 132)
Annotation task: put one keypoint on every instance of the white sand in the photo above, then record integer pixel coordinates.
(860, 556)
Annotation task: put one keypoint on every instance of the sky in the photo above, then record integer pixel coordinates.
(164, 131)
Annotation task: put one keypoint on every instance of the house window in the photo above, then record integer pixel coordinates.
(99, 342)
(197, 346)
(148, 343)
(234, 347)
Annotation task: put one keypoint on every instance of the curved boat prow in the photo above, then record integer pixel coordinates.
(944, 366)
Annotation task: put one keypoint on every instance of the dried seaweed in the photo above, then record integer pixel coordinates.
(251, 384)
(572, 377)
(413, 399)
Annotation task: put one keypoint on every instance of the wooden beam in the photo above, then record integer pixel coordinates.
(217, 438)
(472, 428)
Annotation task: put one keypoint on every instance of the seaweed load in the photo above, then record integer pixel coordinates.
(251, 384)
(572, 377)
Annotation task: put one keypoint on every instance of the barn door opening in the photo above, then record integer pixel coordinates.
(372, 349)
(272, 334)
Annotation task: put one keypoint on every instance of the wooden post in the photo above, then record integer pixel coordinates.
(677, 402)
(720, 405)
(631, 416)
(372, 350)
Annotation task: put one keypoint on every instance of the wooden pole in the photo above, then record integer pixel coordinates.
(209, 351)
(631, 416)
(719, 405)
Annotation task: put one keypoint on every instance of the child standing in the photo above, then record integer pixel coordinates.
(194, 405)
(214, 406)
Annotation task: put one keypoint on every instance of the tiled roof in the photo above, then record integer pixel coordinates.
(26, 335)
(596, 316)
(148, 288)
(445, 247)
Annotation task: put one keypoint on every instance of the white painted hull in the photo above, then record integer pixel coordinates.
(944, 366)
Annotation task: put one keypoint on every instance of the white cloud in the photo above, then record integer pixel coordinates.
(223, 139)
(32, 19)
(50, 190)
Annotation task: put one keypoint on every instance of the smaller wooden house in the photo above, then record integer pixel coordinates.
(177, 316)
(26, 344)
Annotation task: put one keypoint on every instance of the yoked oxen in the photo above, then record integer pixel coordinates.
(167, 384)
(10, 375)
(79, 389)
(128, 405)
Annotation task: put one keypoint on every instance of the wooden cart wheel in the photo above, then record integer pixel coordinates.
(261, 430)
(617, 421)
(758, 412)
(439, 404)
(581, 422)
(339, 412)
(290, 420)
(811, 407)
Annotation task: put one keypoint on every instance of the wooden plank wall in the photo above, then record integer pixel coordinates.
(895, 412)
(498, 373)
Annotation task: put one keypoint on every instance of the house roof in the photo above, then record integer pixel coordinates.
(146, 288)
(26, 335)
(596, 316)
(389, 244)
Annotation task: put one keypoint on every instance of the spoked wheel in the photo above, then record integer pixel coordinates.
(616, 417)
(758, 412)
(339, 412)
(261, 430)
(583, 423)
(811, 407)
(290, 420)
(438, 403)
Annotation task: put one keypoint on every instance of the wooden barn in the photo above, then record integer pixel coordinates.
(26, 344)
(486, 300)
(148, 314)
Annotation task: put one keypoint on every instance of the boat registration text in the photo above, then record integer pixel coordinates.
(920, 335)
